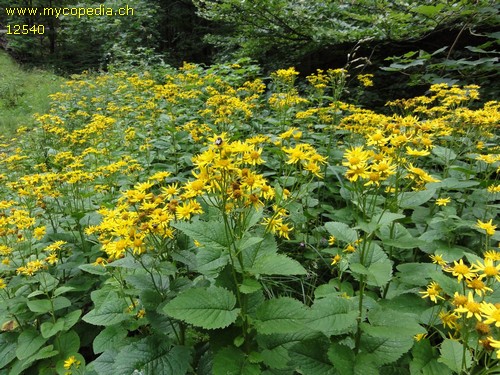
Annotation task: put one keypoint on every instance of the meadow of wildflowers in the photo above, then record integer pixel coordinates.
(213, 221)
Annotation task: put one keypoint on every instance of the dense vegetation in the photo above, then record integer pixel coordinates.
(193, 221)
(229, 217)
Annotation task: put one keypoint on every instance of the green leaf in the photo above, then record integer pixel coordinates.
(332, 315)
(429, 10)
(398, 236)
(209, 233)
(105, 363)
(233, 361)
(28, 343)
(61, 303)
(281, 315)
(93, 269)
(452, 353)
(377, 266)
(153, 355)
(62, 290)
(68, 343)
(413, 199)
(211, 260)
(276, 264)
(109, 338)
(49, 329)
(383, 345)
(40, 305)
(310, 357)
(8, 347)
(341, 231)
(250, 286)
(209, 308)
(71, 319)
(424, 360)
(111, 312)
(343, 358)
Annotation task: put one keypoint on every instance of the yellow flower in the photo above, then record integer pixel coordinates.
(438, 259)
(491, 312)
(331, 240)
(494, 344)
(336, 259)
(432, 292)
(488, 269)
(470, 308)
(487, 226)
(460, 270)
(443, 201)
(449, 319)
(71, 361)
(478, 286)
(2, 283)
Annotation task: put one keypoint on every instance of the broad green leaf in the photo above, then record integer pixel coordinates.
(109, 338)
(61, 303)
(209, 308)
(332, 315)
(70, 319)
(398, 236)
(281, 315)
(49, 329)
(377, 267)
(383, 345)
(28, 343)
(249, 286)
(397, 323)
(424, 360)
(105, 363)
(62, 290)
(233, 361)
(211, 260)
(111, 312)
(343, 358)
(67, 343)
(40, 305)
(444, 154)
(417, 273)
(386, 218)
(341, 231)
(8, 347)
(93, 269)
(310, 357)
(452, 353)
(413, 199)
(208, 233)
(276, 264)
(153, 355)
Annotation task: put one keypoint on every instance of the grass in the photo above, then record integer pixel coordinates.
(23, 93)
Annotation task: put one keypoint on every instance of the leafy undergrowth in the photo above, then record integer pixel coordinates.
(200, 221)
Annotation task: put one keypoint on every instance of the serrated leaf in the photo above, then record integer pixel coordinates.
(28, 343)
(249, 286)
(209, 308)
(109, 338)
(341, 231)
(382, 345)
(310, 357)
(332, 316)
(276, 264)
(343, 358)
(281, 315)
(452, 354)
(211, 260)
(233, 361)
(209, 233)
(377, 267)
(105, 363)
(153, 355)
